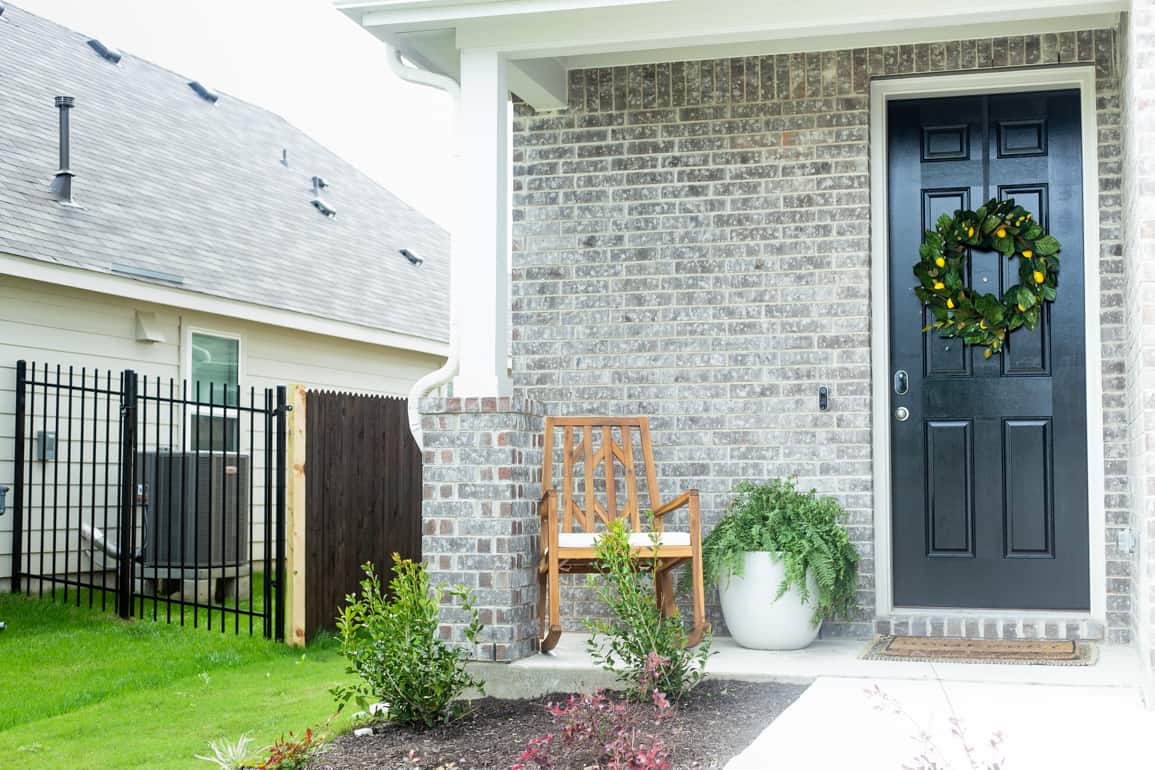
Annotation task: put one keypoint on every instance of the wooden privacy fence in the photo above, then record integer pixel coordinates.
(354, 494)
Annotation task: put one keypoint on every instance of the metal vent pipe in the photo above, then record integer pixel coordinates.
(62, 184)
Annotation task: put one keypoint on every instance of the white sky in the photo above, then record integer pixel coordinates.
(301, 59)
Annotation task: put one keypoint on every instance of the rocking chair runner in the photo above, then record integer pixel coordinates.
(564, 550)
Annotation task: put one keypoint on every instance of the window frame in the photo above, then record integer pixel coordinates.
(192, 410)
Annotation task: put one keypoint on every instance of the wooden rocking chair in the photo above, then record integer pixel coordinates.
(564, 550)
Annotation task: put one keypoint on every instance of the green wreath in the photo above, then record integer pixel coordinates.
(986, 319)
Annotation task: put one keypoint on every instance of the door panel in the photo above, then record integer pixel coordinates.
(1029, 505)
(949, 499)
(989, 473)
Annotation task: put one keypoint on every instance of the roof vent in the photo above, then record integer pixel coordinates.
(2, 9)
(107, 52)
(204, 92)
(318, 202)
(413, 258)
(62, 183)
(285, 157)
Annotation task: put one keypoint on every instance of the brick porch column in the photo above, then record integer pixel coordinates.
(482, 483)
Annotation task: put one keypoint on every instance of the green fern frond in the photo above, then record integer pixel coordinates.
(808, 532)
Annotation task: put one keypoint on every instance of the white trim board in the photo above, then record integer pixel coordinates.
(106, 283)
(1001, 81)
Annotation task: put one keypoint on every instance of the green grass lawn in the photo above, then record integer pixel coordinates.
(80, 688)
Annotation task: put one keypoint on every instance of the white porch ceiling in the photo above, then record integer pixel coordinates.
(545, 38)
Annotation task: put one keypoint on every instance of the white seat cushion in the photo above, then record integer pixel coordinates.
(637, 539)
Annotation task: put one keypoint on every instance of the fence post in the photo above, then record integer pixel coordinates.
(295, 516)
(18, 477)
(125, 523)
(279, 607)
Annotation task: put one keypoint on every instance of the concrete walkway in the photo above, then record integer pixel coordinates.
(838, 724)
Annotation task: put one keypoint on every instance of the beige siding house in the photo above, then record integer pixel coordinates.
(195, 245)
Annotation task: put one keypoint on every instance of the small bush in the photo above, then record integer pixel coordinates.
(229, 755)
(646, 651)
(392, 644)
(606, 731)
(291, 752)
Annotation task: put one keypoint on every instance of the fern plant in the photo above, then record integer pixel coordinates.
(805, 531)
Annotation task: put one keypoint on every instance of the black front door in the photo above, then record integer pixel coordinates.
(989, 468)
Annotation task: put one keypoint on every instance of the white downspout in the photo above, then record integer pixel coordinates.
(443, 375)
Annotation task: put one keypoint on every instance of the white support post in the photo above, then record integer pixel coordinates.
(481, 254)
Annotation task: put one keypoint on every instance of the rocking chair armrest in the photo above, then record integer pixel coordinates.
(680, 501)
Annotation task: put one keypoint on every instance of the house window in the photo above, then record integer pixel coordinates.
(214, 381)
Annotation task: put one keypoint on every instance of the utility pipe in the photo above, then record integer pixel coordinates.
(443, 375)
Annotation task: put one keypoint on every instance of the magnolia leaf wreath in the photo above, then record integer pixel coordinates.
(986, 319)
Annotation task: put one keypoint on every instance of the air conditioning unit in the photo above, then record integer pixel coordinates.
(196, 510)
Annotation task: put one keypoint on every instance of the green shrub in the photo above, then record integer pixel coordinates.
(647, 651)
(806, 530)
(392, 644)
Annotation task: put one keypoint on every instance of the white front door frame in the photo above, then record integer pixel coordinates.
(997, 81)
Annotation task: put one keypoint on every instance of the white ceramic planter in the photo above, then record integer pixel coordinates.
(755, 618)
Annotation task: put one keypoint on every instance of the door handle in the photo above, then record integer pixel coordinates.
(902, 414)
(901, 382)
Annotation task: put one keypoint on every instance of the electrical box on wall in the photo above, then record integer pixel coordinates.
(3, 500)
(45, 446)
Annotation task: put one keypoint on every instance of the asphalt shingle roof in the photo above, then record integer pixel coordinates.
(168, 182)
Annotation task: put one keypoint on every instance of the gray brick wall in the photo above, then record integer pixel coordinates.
(691, 242)
(1139, 216)
(482, 481)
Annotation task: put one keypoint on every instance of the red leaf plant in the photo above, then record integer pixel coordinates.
(613, 731)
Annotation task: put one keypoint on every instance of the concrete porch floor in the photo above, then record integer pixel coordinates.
(1117, 666)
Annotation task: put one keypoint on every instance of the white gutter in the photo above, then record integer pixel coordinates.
(453, 362)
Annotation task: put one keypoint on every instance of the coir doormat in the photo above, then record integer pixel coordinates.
(1030, 652)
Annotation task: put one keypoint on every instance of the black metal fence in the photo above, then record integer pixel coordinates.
(151, 497)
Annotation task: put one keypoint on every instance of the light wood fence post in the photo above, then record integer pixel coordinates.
(295, 518)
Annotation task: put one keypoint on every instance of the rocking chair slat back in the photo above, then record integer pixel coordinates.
(631, 481)
(588, 469)
(608, 456)
(599, 445)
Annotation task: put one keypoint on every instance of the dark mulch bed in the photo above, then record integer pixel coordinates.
(717, 721)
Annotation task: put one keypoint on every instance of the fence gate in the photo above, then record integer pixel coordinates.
(150, 498)
(362, 496)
